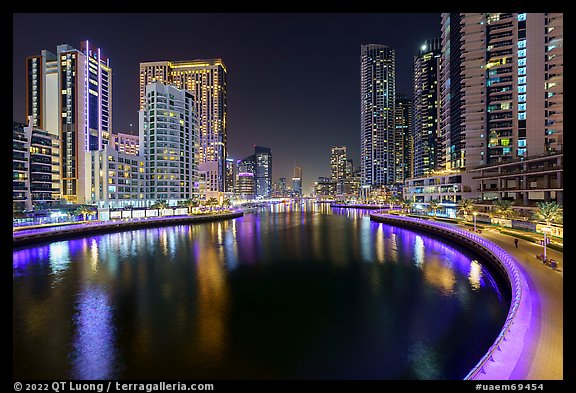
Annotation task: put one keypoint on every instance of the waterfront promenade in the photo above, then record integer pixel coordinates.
(540, 357)
(29, 236)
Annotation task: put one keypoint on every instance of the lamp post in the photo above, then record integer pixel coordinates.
(545, 230)
(475, 214)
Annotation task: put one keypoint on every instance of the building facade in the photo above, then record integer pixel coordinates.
(263, 174)
(231, 171)
(125, 143)
(404, 142)
(69, 94)
(35, 167)
(206, 80)
(297, 182)
(525, 180)
(169, 139)
(377, 119)
(115, 179)
(426, 133)
(501, 86)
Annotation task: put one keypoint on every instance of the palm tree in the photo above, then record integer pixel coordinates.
(406, 204)
(434, 205)
(503, 208)
(466, 206)
(549, 212)
(393, 201)
(226, 202)
(160, 204)
(84, 210)
(190, 203)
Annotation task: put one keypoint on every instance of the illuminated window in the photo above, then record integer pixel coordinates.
(522, 71)
(522, 116)
(522, 62)
(522, 44)
(522, 80)
(521, 17)
(522, 89)
(522, 53)
(521, 107)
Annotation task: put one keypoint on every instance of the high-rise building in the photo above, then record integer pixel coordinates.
(501, 86)
(115, 178)
(297, 181)
(325, 188)
(338, 163)
(125, 143)
(428, 153)
(231, 170)
(263, 174)
(245, 180)
(69, 94)
(404, 142)
(169, 143)
(501, 93)
(377, 120)
(282, 190)
(36, 176)
(206, 80)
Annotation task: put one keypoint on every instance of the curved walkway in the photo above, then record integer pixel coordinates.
(30, 236)
(539, 353)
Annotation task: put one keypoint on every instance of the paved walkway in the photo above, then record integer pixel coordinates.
(542, 357)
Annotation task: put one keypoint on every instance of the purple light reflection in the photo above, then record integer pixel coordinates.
(94, 354)
(514, 276)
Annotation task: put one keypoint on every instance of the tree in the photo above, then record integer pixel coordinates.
(160, 204)
(190, 203)
(549, 212)
(226, 202)
(212, 201)
(466, 206)
(84, 211)
(434, 205)
(394, 201)
(406, 204)
(504, 209)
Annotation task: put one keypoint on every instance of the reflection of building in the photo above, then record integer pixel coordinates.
(297, 181)
(263, 174)
(168, 129)
(69, 94)
(35, 169)
(378, 91)
(206, 80)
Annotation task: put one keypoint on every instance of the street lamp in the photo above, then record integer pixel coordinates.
(546, 229)
(475, 214)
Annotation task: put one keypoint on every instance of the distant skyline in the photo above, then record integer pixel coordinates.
(293, 79)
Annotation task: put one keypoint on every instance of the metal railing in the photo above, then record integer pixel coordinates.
(506, 261)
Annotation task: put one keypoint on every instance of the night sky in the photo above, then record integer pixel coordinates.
(293, 79)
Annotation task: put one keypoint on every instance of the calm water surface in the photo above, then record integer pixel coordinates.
(287, 292)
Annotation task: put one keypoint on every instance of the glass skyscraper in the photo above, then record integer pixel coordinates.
(377, 120)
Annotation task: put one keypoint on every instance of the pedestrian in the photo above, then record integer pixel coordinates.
(516, 242)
